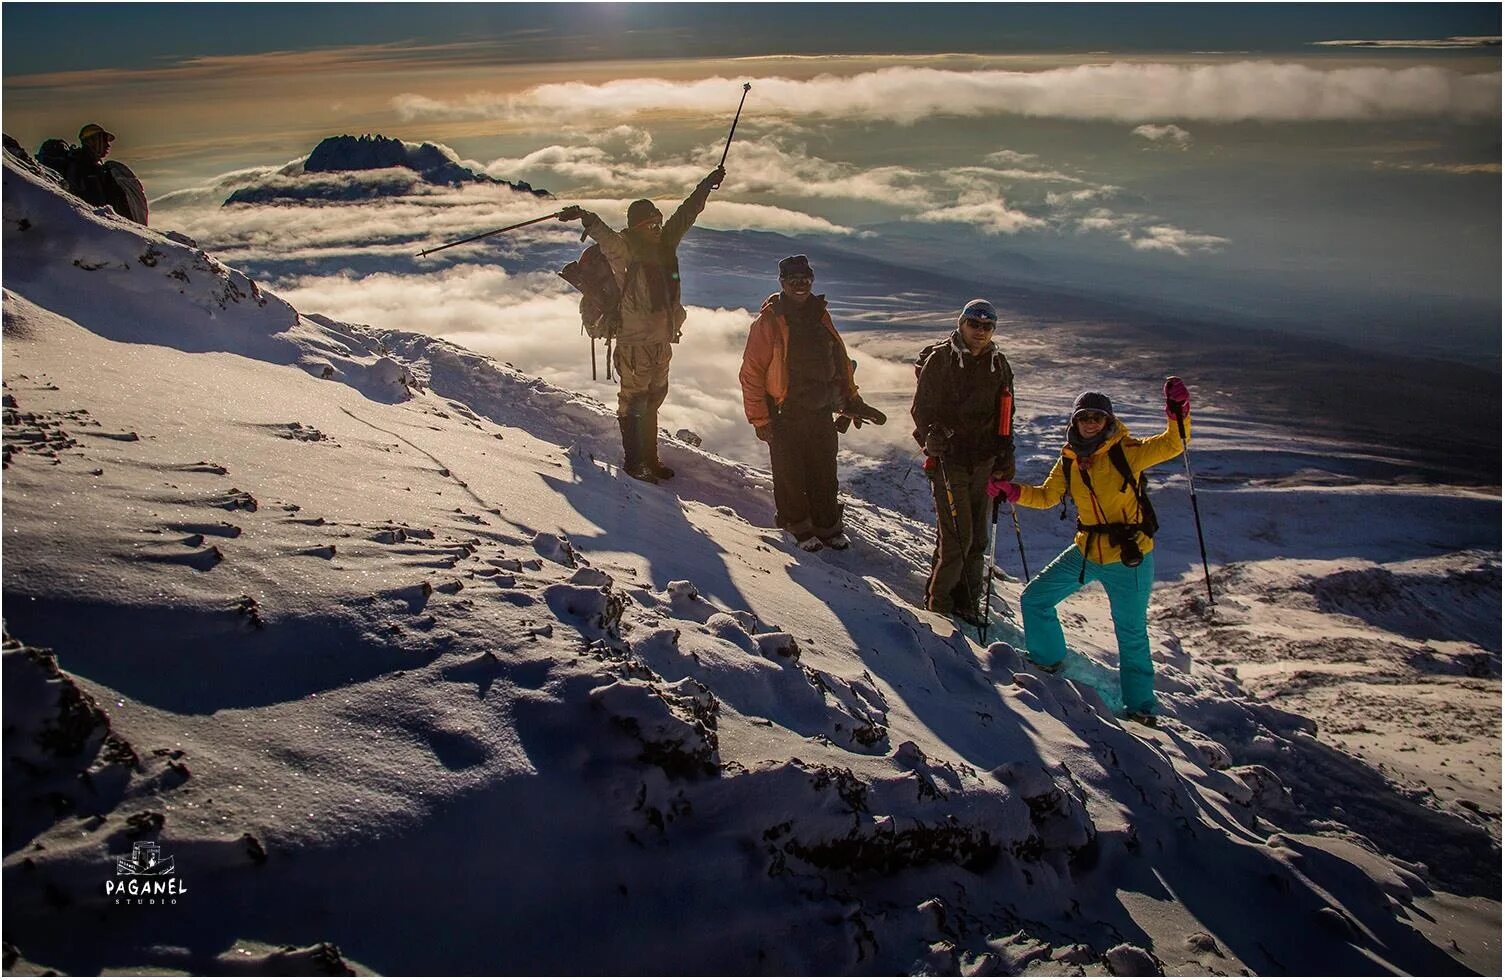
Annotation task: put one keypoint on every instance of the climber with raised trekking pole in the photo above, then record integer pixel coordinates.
(963, 412)
(630, 295)
(1101, 468)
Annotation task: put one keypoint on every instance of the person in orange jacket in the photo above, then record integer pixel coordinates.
(1113, 543)
(796, 378)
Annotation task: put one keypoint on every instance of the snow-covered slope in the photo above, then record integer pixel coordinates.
(369, 634)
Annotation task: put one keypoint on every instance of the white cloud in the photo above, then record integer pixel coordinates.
(1169, 133)
(1123, 91)
(991, 217)
(1458, 41)
(1440, 168)
(532, 321)
(736, 216)
(1168, 238)
(1009, 157)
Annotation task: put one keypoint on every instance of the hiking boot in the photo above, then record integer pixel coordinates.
(660, 470)
(811, 544)
(1141, 718)
(641, 472)
(838, 541)
(1054, 668)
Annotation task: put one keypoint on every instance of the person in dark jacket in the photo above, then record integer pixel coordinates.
(646, 262)
(796, 377)
(964, 418)
(86, 174)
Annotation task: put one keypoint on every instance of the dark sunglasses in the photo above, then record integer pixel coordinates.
(976, 324)
(797, 280)
(1090, 417)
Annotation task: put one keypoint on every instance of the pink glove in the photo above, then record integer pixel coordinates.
(1009, 490)
(1177, 398)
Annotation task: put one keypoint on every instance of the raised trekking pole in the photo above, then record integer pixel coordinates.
(476, 238)
(1196, 512)
(746, 87)
(1019, 536)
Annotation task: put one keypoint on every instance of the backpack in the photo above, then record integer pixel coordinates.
(600, 299)
(125, 193)
(926, 354)
(54, 155)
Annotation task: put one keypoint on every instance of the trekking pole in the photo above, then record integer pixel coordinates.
(476, 238)
(987, 602)
(1196, 511)
(1019, 535)
(746, 87)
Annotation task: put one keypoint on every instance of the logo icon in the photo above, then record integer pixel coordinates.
(146, 859)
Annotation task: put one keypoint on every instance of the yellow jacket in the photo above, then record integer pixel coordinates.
(1107, 501)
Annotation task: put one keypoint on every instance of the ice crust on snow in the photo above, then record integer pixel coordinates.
(447, 644)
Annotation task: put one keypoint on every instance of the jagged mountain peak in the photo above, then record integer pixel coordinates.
(355, 168)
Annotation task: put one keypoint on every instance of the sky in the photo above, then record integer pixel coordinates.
(1331, 169)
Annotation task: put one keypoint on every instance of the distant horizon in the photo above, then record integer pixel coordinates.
(1310, 177)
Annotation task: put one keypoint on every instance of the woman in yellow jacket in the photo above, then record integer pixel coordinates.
(1111, 546)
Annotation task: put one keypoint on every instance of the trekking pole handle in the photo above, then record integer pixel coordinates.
(476, 238)
(746, 87)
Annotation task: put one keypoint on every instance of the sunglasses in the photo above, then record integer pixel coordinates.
(976, 324)
(1091, 417)
(797, 280)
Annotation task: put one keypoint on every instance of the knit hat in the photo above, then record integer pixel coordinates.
(978, 309)
(1092, 401)
(639, 212)
(795, 265)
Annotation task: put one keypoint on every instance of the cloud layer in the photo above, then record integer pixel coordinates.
(1121, 91)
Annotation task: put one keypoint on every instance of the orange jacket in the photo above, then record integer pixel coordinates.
(765, 361)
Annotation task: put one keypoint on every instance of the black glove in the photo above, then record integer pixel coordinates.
(860, 411)
(937, 442)
(714, 178)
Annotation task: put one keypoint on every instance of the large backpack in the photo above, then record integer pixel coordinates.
(54, 155)
(927, 353)
(127, 196)
(600, 299)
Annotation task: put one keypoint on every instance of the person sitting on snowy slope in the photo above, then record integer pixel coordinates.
(1113, 541)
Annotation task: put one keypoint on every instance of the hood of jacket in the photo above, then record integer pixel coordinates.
(961, 353)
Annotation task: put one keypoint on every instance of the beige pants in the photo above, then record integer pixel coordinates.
(643, 370)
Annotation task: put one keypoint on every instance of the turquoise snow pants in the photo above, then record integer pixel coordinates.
(1128, 598)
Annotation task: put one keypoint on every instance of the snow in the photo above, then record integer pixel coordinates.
(369, 633)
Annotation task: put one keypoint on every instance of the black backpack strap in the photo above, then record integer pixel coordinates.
(1121, 463)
